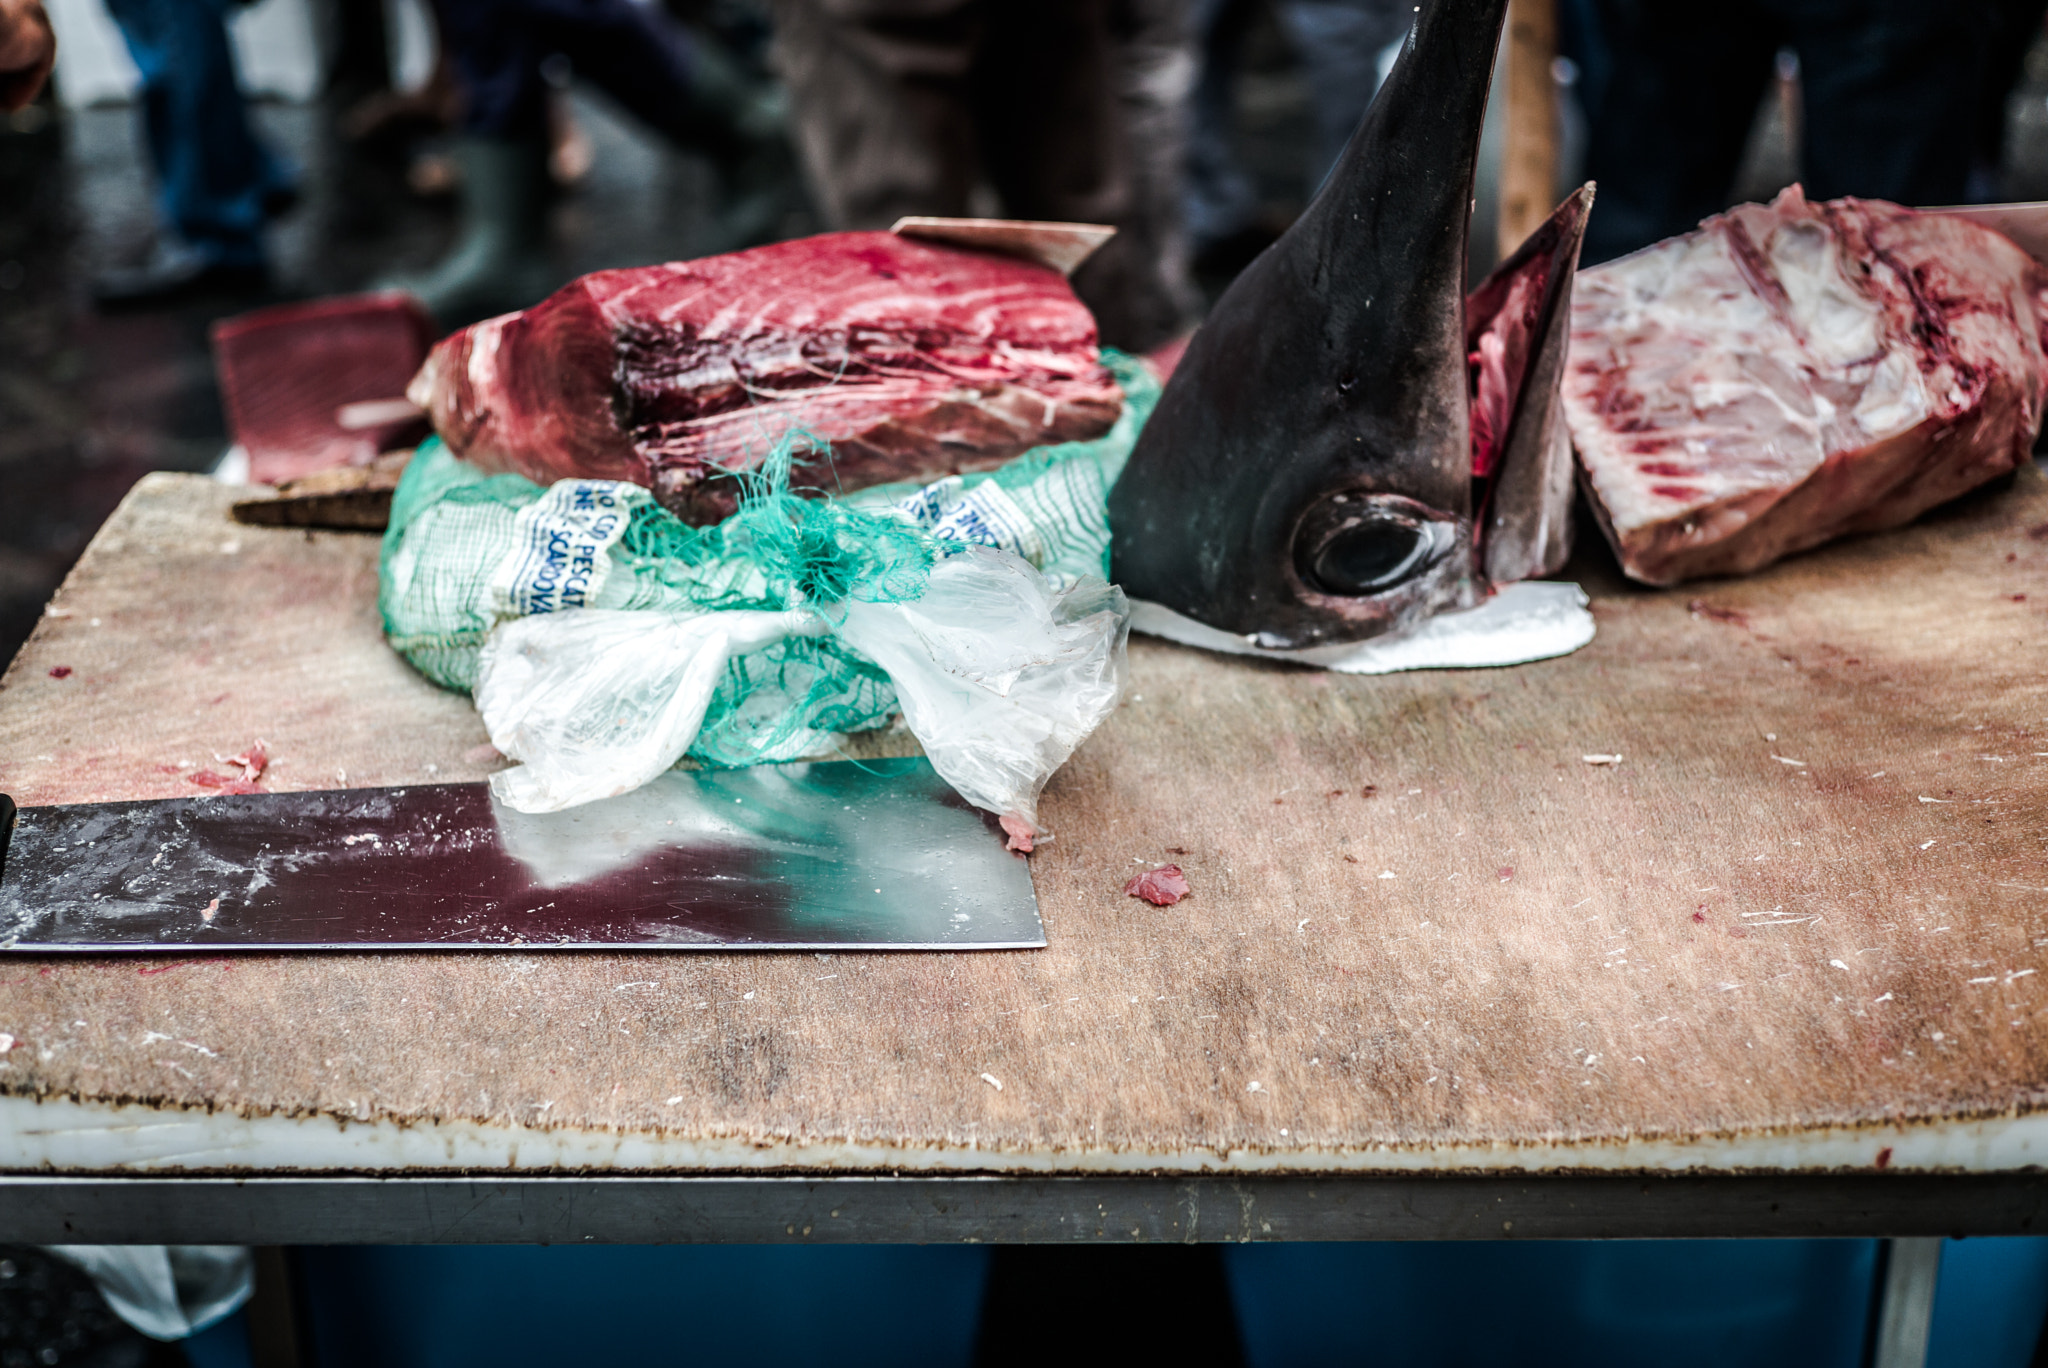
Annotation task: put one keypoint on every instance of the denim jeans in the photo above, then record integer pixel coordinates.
(214, 177)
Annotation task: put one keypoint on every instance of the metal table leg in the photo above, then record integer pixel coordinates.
(1911, 1272)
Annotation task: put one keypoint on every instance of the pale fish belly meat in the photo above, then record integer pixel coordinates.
(913, 361)
(1793, 372)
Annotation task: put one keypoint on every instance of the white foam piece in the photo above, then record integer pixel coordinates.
(1532, 620)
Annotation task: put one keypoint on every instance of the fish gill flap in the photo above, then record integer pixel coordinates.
(1526, 508)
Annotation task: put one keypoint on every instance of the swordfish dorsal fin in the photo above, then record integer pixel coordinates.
(1307, 475)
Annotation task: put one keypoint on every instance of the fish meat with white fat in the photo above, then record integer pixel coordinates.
(1794, 372)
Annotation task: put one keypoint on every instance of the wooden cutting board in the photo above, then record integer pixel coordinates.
(1814, 891)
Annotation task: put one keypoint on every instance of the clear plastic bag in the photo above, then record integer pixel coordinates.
(999, 676)
(596, 702)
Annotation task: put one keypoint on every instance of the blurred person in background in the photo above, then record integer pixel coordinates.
(1892, 98)
(28, 50)
(1345, 49)
(1070, 110)
(218, 186)
(502, 54)
(2018, 25)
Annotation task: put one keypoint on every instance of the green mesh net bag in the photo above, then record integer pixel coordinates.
(466, 552)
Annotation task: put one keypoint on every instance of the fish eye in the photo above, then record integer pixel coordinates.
(1355, 546)
(1366, 559)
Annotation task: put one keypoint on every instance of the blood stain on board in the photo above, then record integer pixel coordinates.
(1702, 608)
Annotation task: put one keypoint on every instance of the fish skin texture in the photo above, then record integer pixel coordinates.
(913, 361)
(1794, 372)
(1306, 477)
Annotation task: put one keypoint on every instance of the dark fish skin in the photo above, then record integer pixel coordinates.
(1307, 475)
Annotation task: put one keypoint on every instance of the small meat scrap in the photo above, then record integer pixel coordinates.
(60, 672)
(1022, 833)
(252, 761)
(1162, 887)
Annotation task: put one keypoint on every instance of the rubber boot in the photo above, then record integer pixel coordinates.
(499, 261)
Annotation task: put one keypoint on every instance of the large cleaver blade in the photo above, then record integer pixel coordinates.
(875, 855)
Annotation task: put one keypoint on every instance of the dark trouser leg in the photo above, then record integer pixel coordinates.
(1082, 107)
(1668, 132)
(1156, 79)
(2019, 23)
(899, 103)
(879, 104)
(496, 53)
(649, 64)
(1339, 43)
(1221, 199)
(498, 261)
(362, 49)
(214, 177)
(1891, 91)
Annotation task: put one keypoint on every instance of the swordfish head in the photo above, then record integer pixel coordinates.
(1307, 476)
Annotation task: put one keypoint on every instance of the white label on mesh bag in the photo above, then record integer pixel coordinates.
(987, 516)
(558, 555)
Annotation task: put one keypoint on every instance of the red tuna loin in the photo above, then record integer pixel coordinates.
(914, 361)
(1793, 372)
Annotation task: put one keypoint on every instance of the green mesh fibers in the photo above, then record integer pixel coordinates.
(465, 551)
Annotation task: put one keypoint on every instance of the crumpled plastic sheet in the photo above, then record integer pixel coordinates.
(1000, 675)
(168, 1292)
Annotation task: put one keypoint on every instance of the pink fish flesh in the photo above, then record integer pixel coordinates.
(1794, 372)
(914, 361)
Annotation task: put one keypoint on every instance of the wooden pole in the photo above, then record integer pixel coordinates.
(1528, 172)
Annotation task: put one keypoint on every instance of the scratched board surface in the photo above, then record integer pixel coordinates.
(1813, 891)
